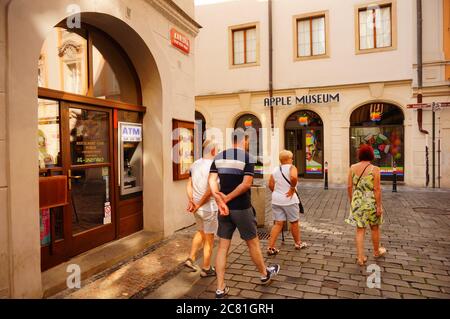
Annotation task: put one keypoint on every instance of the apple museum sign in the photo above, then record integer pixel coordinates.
(304, 99)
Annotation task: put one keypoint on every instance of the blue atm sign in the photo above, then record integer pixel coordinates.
(131, 133)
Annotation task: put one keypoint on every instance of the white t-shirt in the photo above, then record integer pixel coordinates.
(200, 173)
(282, 187)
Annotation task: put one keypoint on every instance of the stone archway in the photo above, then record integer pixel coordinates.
(28, 24)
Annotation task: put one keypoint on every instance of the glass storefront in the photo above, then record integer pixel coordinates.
(78, 143)
(304, 138)
(381, 126)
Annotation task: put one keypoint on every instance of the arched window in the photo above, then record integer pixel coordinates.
(304, 138)
(252, 125)
(381, 126)
(87, 62)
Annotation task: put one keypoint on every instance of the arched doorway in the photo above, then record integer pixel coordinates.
(381, 126)
(303, 135)
(90, 118)
(252, 125)
(200, 129)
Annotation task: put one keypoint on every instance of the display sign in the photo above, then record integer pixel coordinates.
(180, 41)
(304, 99)
(131, 133)
(183, 148)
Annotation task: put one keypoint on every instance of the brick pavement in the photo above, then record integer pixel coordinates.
(417, 264)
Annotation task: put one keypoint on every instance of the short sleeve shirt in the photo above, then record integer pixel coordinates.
(232, 165)
(199, 173)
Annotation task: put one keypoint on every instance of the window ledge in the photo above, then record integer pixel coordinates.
(244, 65)
(367, 51)
(312, 57)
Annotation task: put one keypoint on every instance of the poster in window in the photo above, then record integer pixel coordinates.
(183, 148)
(313, 152)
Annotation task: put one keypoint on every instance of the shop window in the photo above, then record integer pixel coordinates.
(381, 126)
(112, 75)
(311, 35)
(376, 27)
(252, 126)
(244, 45)
(304, 138)
(200, 129)
(49, 134)
(86, 61)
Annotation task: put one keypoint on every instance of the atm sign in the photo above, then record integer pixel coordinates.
(180, 41)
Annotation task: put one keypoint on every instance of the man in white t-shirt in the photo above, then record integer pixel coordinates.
(204, 208)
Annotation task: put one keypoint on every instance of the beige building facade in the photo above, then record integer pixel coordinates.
(321, 50)
(164, 81)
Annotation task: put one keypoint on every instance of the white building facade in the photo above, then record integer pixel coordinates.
(344, 73)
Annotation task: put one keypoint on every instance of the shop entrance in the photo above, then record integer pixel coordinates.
(90, 144)
(304, 138)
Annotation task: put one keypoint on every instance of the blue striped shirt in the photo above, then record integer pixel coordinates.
(232, 165)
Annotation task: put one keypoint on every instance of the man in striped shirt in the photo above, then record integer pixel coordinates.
(234, 168)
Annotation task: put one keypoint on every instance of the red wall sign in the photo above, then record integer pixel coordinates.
(180, 41)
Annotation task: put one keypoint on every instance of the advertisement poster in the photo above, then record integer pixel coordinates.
(313, 152)
(186, 150)
(45, 227)
(89, 136)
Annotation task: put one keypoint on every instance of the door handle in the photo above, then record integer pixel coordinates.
(70, 177)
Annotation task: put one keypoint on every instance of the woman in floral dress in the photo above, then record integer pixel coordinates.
(364, 192)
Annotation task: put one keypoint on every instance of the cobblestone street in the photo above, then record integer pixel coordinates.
(416, 234)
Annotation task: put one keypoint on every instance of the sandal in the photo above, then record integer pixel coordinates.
(363, 262)
(381, 252)
(272, 251)
(301, 245)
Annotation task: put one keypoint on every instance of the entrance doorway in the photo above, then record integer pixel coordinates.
(90, 173)
(303, 134)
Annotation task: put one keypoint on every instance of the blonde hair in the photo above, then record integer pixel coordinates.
(208, 146)
(285, 155)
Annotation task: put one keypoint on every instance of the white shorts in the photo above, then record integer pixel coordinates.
(283, 213)
(206, 221)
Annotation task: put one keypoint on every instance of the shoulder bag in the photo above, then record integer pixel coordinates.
(300, 206)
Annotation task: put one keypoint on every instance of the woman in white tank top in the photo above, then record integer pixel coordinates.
(285, 202)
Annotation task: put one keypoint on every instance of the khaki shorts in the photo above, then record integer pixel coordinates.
(283, 213)
(206, 221)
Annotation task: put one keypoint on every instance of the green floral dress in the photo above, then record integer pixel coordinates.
(363, 207)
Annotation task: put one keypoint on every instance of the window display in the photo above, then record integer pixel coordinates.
(130, 163)
(381, 126)
(183, 148)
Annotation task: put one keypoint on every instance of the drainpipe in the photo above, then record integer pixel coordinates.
(270, 66)
(420, 85)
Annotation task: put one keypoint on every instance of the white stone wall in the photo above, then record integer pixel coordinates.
(342, 67)
(222, 112)
(360, 78)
